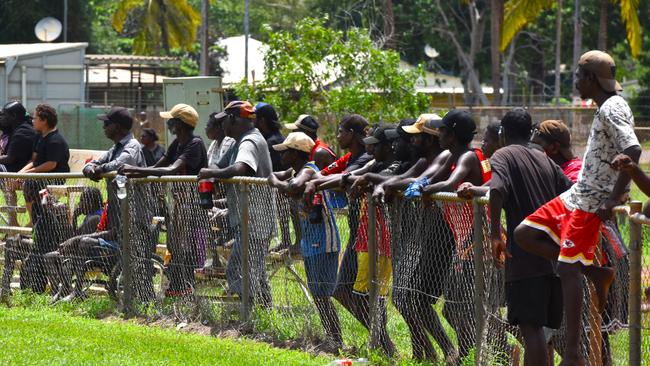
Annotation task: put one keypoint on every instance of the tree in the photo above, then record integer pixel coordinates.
(327, 73)
(629, 16)
(164, 24)
(496, 19)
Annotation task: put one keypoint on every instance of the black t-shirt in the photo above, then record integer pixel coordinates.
(526, 179)
(357, 162)
(192, 153)
(20, 146)
(274, 139)
(52, 147)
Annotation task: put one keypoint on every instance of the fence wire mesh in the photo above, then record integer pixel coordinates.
(338, 271)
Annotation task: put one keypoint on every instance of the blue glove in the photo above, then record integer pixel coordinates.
(414, 189)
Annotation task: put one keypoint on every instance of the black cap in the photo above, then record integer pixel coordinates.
(458, 120)
(399, 131)
(119, 115)
(304, 122)
(381, 133)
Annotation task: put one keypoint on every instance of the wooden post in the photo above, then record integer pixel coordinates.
(479, 279)
(635, 286)
(127, 260)
(372, 272)
(245, 252)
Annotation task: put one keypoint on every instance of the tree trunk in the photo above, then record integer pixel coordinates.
(389, 25)
(577, 43)
(507, 63)
(558, 50)
(496, 19)
(602, 28)
(164, 32)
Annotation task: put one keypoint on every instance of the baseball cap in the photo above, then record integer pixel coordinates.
(296, 140)
(603, 66)
(555, 131)
(184, 112)
(458, 120)
(305, 122)
(380, 134)
(241, 109)
(423, 124)
(266, 111)
(119, 115)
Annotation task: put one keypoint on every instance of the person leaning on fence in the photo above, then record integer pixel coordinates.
(489, 145)
(456, 131)
(570, 223)
(250, 158)
(51, 151)
(422, 255)
(321, 154)
(150, 147)
(522, 180)
(319, 242)
(351, 132)
(17, 142)
(187, 228)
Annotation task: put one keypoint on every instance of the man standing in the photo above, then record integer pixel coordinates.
(188, 229)
(250, 158)
(320, 154)
(266, 121)
(572, 220)
(523, 179)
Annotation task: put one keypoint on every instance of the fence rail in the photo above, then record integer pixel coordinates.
(406, 271)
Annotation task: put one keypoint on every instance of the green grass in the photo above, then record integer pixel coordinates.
(37, 335)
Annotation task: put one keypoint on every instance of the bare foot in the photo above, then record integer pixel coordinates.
(602, 278)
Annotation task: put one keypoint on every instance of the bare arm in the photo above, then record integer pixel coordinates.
(235, 170)
(605, 211)
(462, 171)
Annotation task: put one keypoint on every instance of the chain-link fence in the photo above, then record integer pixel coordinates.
(407, 277)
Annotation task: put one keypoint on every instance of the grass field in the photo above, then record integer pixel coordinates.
(35, 334)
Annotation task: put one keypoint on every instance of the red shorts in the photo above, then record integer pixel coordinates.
(576, 232)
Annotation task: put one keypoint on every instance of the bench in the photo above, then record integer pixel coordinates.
(69, 192)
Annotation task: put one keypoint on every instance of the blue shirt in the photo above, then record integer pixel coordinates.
(322, 236)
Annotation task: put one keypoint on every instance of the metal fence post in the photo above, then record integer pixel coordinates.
(635, 285)
(244, 189)
(479, 279)
(127, 259)
(372, 272)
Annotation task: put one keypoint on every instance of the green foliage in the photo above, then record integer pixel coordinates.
(328, 73)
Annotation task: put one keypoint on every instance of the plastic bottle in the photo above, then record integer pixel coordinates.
(205, 193)
(120, 180)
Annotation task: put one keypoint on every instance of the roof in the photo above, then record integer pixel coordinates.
(233, 64)
(97, 75)
(24, 49)
(440, 83)
(130, 59)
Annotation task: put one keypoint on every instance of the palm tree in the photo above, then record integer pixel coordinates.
(496, 19)
(165, 24)
(519, 13)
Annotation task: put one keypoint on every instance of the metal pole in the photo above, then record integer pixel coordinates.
(373, 291)
(246, 6)
(245, 252)
(204, 38)
(635, 285)
(65, 20)
(479, 280)
(127, 260)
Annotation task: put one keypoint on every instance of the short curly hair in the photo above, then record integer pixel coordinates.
(48, 113)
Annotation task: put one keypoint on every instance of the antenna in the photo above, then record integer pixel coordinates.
(430, 51)
(48, 29)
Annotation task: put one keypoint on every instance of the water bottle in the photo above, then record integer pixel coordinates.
(205, 193)
(120, 180)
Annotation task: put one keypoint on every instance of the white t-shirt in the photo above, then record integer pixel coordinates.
(612, 131)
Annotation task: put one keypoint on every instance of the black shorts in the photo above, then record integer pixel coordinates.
(535, 301)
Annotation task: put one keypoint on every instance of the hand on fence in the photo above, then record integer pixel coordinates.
(379, 194)
(465, 191)
(308, 195)
(500, 251)
(92, 172)
(623, 163)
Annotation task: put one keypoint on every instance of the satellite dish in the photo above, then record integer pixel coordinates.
(430, 51)
(48, 29)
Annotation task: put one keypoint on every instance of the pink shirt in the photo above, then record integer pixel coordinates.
(572, 169)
